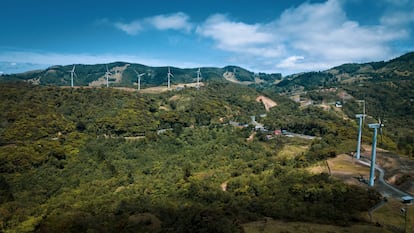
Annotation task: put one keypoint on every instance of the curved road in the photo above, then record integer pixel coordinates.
(382, 186)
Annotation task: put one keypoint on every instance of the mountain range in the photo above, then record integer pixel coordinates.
(123, 75)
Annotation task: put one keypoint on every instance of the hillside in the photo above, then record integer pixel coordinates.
(189, 160)
(106, 160)
(387, 88)
(123, 75)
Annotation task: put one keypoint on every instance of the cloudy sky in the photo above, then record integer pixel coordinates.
(263, 36)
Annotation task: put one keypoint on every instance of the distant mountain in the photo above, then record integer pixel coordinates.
(398, 68)
(17, 67)
(123, 75)
(386, 86)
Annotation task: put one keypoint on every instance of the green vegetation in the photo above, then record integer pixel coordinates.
(154, 76)
(105, 160)
(270, 226)
(386, 88)
(65, 165)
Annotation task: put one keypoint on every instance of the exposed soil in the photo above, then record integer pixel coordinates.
(346, 168)
(399, 171)
(116, 71)
(231, 77)
(268, 103)
(160, 89)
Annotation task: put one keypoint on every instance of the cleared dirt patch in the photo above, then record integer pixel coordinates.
(160, 89)
(231, 77)
(399, 171)
(346, 168)
(268, 103)
(116, 71)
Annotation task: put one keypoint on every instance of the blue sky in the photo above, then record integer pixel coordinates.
(262, 36)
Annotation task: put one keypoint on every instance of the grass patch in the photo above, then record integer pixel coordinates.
(390, 216)
(346, 164)
(291, 151)
(272, 226)
(318, 168)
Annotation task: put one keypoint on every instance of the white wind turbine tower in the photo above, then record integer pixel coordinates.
(139, 78)
(198, 78)
(169, 75)
(72, 73)
(107, 74)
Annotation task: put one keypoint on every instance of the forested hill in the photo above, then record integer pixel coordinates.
(398, 69)
(189, 160)
(106, 160)
(386, 87)
(124, 75)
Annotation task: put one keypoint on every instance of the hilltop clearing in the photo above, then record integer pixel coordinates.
(398, 170)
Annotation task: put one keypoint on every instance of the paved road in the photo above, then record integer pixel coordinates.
(382, 186)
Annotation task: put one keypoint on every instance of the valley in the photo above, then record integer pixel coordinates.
(93, 158)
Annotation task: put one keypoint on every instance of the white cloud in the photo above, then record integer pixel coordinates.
(322, 32)
(178, 21)
(239, 37)
(312, 36)
(131, 28)
(290, 62)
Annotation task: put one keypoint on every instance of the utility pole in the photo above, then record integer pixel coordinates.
(358, 152)
(405, 212)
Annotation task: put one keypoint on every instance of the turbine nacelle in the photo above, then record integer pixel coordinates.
(360, 116)
(375, 126)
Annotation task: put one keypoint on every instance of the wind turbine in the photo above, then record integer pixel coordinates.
(374, 151)
(107, 74)
(139, 78)
(198, 78)
(72, 73)
(169, 75)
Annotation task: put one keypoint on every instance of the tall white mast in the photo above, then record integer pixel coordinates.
(169, 75)
(107, 74)
(139, 79)
(198, 78)
(72, 73)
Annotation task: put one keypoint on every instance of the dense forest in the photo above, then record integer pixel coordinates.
(105, 160)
